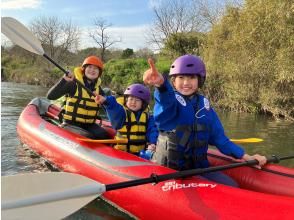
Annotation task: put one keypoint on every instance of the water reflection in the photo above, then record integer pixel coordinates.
(278, 136)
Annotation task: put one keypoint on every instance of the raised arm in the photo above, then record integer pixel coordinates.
(115, 112)
(62, 87)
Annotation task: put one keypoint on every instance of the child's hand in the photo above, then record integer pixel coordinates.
(151, 76)
(261, 159)
(151, 147)
(69, 77)
(99, 99)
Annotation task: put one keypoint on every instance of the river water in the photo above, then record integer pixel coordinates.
(15, 158)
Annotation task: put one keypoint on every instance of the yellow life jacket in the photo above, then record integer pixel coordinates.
(121, 100)
(134, 131)
(81, 107)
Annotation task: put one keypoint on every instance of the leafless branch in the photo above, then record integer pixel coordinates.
(101, 37)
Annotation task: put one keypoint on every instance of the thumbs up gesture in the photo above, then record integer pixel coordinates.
(151, 76)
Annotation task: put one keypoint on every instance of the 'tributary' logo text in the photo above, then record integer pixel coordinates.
(174, 186)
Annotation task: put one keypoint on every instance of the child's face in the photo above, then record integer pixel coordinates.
(134, 103)
(92, 72)
(186, 84)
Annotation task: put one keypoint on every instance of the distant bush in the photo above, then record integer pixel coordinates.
(250, 51)
(120, 73)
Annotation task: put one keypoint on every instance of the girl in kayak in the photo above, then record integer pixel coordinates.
(80, 109)
(131, 119)
(186, 120)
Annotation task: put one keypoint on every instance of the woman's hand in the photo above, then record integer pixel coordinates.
(99, 99)
(68, 77)
(151, 76)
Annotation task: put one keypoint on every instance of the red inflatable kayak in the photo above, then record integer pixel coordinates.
(264, 194)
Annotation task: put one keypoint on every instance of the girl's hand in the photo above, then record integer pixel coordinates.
(261, 159)
(151, 76)
(151, 147)
(69, 77)
(99, 99)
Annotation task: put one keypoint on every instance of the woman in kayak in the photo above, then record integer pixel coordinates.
(187, 122)
(131, 119)
(79, 108)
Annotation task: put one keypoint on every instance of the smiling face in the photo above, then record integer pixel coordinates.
(186, 84)
(92, 72)
(134, 104)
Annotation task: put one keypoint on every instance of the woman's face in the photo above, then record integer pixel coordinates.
(134, 104)
(92, 72)
(186, 84)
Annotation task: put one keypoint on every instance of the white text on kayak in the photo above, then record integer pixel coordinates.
(172, 185)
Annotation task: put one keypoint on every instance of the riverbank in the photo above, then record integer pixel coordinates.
(221, 103)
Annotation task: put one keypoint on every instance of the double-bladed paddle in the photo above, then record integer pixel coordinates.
(124, 141)
(22, 37)
(60, 194)
(246, 140)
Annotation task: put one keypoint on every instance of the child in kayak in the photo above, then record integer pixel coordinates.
(186, 120)
(80, 109)
(131, 119)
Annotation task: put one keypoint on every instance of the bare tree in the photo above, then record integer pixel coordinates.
(101, 37)
(184, 16)
(5, 42)
(58, 38)
(211, 11)
(144, 53)
(171, 17)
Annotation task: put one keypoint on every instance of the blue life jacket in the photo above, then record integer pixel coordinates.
(187, 125)
(185, 147)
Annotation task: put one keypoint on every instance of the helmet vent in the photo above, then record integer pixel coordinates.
(190, 65)
(173, 66)
(141, 91)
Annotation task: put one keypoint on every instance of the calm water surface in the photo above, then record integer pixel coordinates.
(15, 158)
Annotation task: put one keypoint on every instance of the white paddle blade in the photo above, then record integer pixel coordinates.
(46, 195)
(20, 35)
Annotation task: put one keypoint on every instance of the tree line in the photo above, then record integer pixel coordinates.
(248, 49)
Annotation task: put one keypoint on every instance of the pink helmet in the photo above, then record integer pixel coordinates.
(189, 65)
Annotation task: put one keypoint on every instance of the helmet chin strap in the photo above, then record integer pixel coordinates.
(144, 106)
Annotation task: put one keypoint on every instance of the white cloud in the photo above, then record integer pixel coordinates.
(20, 4)
(133, 37)
(154, 3)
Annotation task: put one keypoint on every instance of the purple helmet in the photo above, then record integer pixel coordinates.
(188, 65)
(139, 91)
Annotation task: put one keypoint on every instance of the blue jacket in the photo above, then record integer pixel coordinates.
(117, 117)
(172, 109)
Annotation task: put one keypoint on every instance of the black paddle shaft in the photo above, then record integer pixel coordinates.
(66, 73)
(187, 173)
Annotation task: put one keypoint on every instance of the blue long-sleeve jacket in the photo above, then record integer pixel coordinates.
(172, 109)
(117, 117)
